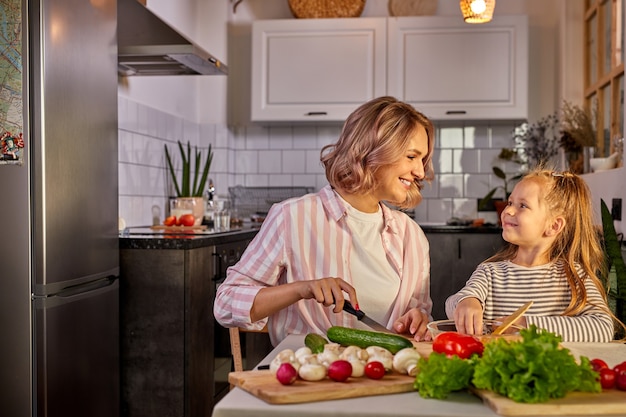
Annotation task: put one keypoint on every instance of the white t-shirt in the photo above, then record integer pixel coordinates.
(374, 278)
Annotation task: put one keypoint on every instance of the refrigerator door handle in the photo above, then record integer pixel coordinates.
(81, 288)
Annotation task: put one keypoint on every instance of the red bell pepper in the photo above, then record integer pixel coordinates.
(461, 345)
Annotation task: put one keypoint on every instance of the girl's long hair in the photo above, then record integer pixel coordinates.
(579, 244)
(376, 135)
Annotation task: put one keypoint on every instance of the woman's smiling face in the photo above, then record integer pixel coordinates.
(395, 180)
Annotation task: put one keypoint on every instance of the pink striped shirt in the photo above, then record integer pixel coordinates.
(307, 238)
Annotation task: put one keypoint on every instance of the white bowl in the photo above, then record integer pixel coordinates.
(441, 326)
(602, 164)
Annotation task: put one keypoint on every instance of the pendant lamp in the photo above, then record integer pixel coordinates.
(477, 11)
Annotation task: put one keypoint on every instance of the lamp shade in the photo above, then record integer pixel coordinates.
(477, 11)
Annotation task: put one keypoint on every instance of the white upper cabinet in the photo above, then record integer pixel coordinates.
(451, 70)
(320, 70)
(316, 70)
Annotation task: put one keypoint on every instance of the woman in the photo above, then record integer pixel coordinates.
(313, 252)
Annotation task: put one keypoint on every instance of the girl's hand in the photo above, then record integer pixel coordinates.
(329, 291)
(468, 316)
(414, 323)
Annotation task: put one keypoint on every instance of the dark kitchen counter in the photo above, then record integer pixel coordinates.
(445, 228)
(147, 238)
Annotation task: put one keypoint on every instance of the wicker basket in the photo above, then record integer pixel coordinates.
(307, 9)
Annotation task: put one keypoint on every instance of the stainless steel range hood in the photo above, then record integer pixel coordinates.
(149, 46)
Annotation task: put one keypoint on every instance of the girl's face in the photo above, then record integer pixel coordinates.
(395, 180)
(525, 219)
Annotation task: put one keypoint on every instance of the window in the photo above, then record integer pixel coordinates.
(604, 70)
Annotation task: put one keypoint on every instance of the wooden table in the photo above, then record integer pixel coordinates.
(239, 403)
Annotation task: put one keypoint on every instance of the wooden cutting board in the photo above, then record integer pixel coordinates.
(575, 403)
(264, 385)
(178, 228)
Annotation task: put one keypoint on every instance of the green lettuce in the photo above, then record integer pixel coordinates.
(534, 369)
(439, 375)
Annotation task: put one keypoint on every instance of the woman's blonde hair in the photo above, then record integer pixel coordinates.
(376, 135)
(579, 243)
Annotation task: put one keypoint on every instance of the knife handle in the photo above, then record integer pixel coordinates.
(347, 307)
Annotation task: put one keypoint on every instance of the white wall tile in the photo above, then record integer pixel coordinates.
(439, 210)
(305, 138)
(270, 162)
(450, 185)
(451, 137)
(254, 155)
(294, 161)
(280, 180)
(477, 185)
(280, 138)
(442, 161)
(313, 165)
(246, 162)
(466, 160)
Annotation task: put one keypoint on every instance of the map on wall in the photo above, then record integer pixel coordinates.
(11, 110)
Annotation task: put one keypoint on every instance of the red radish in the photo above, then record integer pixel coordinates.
(286, 374)
(340, 370)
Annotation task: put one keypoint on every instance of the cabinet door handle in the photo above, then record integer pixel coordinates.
(316, 113)
(458, 245)
(456, 112)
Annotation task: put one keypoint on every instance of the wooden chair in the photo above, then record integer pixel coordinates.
(235, 345)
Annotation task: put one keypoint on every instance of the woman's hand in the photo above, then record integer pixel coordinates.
(468, 316)
(329, 291)
(414, 323)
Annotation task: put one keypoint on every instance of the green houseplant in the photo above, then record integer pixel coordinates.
(189, 190)
(616, 286)
(506, 154)
(185, 187)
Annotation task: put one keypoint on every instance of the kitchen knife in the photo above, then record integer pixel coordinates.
(360, 315)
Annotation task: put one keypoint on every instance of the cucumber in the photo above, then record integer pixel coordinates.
(364, 338)
(315, 342)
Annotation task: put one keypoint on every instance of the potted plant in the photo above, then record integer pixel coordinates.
(506, 154)
(189, 190)
(616, 281)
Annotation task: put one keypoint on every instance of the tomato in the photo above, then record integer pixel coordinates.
(620, 376)
(375, 370)
(170, 221)
(607, 378)
(461, 345)
(598, 364)
(187, 220)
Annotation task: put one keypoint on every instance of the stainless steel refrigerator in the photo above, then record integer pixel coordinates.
(59, 303)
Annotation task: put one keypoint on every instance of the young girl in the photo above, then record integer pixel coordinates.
(553, 258)
(314, 251)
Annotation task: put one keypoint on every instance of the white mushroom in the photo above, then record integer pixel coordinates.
(283, 356)
(382, 355)
(357, 358)
(330, 354)
(405, 361)
(303, 351)
(311, 369)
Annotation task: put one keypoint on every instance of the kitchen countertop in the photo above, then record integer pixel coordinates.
(143, 237)
(447, 228)
(239, 403)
